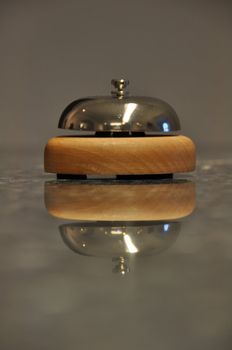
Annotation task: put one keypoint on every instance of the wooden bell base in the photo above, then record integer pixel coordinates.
(119, 155)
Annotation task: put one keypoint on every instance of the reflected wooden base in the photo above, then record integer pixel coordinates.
(120, 202)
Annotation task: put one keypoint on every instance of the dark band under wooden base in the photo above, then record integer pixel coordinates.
(117, 177)
(145, 177)
(70, 177)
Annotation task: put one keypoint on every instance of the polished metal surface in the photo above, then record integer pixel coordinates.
(114, 239)
(120, 85)
(120, 113)
(120, 242)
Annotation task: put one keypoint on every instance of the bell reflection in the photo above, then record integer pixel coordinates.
(119, 241)
(120, 221)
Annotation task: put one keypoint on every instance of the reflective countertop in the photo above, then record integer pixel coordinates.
(115, 264)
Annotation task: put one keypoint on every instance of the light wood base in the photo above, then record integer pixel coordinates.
(119, 155)
(120, 202)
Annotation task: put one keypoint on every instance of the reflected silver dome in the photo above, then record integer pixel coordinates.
(120, 113)
(113, 239)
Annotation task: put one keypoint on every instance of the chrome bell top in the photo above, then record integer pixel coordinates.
(120, 113)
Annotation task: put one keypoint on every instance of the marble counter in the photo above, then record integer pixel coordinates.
(144, 268)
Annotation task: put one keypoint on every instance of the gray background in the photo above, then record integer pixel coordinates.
(53, 52)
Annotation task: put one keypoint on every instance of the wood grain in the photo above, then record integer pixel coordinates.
(120, 202)
(119, 155)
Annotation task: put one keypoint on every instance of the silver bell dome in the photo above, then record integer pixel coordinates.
(120, 113)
